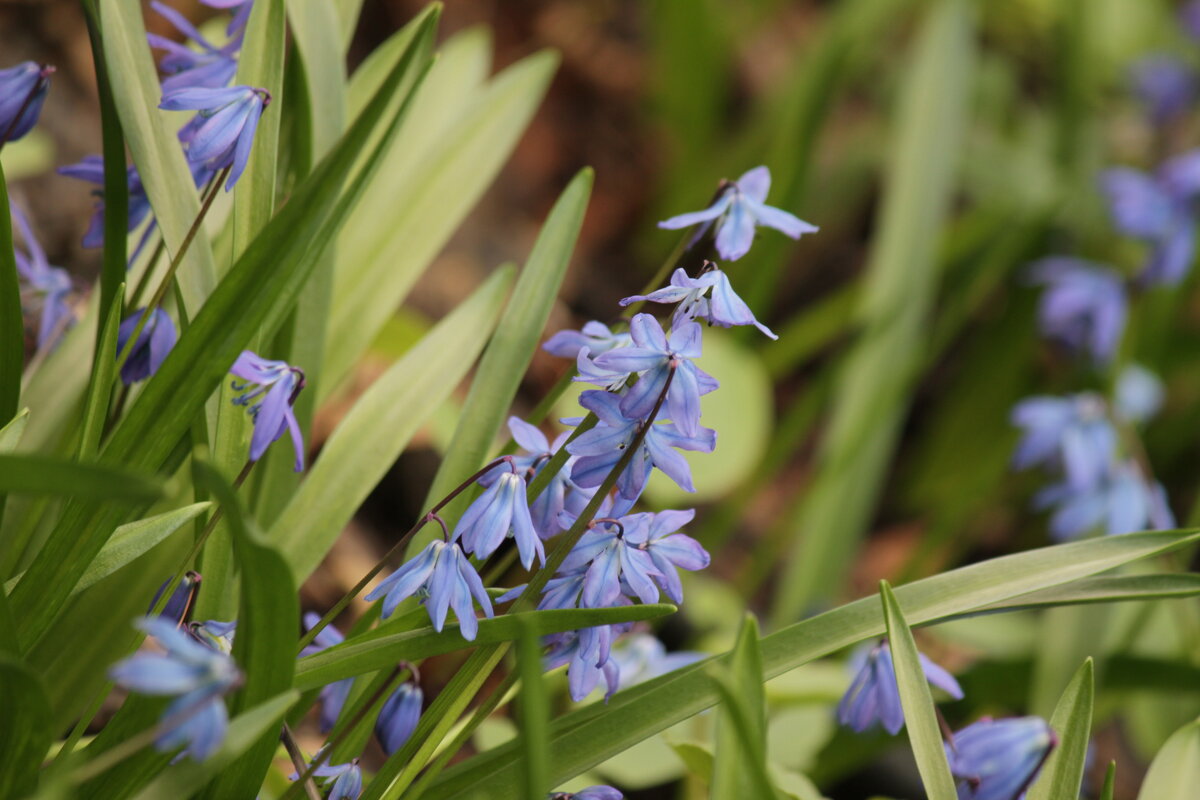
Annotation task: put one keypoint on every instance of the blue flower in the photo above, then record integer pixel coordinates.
(1084, 305)
(1165, 85)
(998, 759)
(538, 451)
(654, 356)
(1072, 432)
(738, 209)
(279, 383)
(501, 510)
(217, 635)
(444, 579)
(179, 607)
(50, 285)
(1139, 394)
(613, 564)
(709, 297)
(586, 654)
(600, 448)
(91, 169)
(222, 133)
(153, 343)
(344, 780)
(595, 336)
(399, 716)
(22, 92)
(210, 67)
(1123, 501)
(1189, 17)
(641, 656)
(333, 695)
(669, 551)
(599, 792)
(874, 696)
(196, 675)
(241, 14)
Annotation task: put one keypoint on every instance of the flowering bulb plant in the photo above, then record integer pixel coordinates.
(219, 414)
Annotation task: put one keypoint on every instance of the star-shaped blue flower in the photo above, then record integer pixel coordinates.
(595, 336)
(1122, 501)
(709, 297)
(91, 169)
(1073, 432)
(50, 285)
(658, 536)
(874, 696)
(208, 66)
(277, 383)
(444, 578)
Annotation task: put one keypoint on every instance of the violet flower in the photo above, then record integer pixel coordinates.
(1122, 501)
(334, 695)
(398, 717)
(22, 91)
(1083, 306)
(50, 285)
(502, 510)
(91, 169)
(595, 336)
(444, 578)
(278, 383)
(585, 653)
(998, 759)
(222, 133)
(538, 451)
(874, 695)
(1072, 431)
(154, 342)
(1165, 85)
(210, 67)
(670, 551)
(709, 297)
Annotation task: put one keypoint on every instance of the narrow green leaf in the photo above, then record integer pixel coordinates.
(1175, 772)
(380, 647)
(12, 321)
(1062, 774)
(735, 747)
(26, 733)
(381, 424)
(736, 716)
(155, 148)
(46, 475)
(187, 777)
(920, 718)
(10, 434)
(1105, 589)
(873, 392)
(104, 365)
(511, 347)
(317, 33)
(588, 736)
(535, 711)
(1110, 782)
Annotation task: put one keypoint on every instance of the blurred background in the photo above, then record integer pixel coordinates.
(664, 99)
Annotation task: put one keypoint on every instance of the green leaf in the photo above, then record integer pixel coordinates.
(876, 383)
(1105, 589)
(104, 365)
(1110, 782)
(1175, 772)
(12, 321)
(317, 33)
(535, 711)
(10, 434)
(57, 477)
(155, 148)
(511, 347)
(920, 720)
(587, 736)
(26, 733)
(1062, 774)
(740, 766)
(380, 425)
(381, 647)
(268, 625)
(187, 777)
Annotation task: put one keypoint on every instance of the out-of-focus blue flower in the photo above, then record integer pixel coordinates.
(1189, 16)
(1123, 501)
(1083, 306)
(1165, 85)
(641, 656)
(179, 607)
(538, 451)
(1072, 432)
(50, 285)
(344, 781)
(654, 356)
(334, 695)
(669, 551)
(91, 169)
(998, 759)
(595, 336)
(598, 792)
(1139, 394)
(600, 448)
(222, 132)
(709, 297)
(737, 211)
(444, 578)
(586, 654)
(399, 716)
(153, 343)
(612, 564)
(240, 9)
(215, 634)
(278, 383)
(874, 696)
(210, 67)
(22, 92)
(501, 510)
(196, 675)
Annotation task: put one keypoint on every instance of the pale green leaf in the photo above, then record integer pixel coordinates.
(1062, 774)
(1175, 772)
(741, 736)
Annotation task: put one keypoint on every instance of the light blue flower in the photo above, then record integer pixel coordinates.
(598, 792)
(153, 343)
(22, 91)
(736, 212)
(670, 551)
(1073, 432)
(48, 285)
(344, 781)
(612, 565)
(197, 676)
(278, 383)
(222, 133)
(502, 510)
(641, 657)
(1122, 501)
(1139, 394)
(1165, 84)
(91, 169)
(708, 297)
(998, 759)
(1083, 306)
(654, 356)
(586, 656)
(444, 578)
(874, 695)
(399, 716)
(209, 67)
(333, 695)
(215, 634)
(595, 336)
(538, 452)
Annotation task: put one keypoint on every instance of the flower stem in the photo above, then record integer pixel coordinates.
(298, 761)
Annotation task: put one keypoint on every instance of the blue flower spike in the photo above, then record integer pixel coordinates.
(50, 285)
(22, 91)
(277, 383)
(1084, 305)
(333, 695)
(874, 696)
(998, 759)
(222, 133)
(153, 343)
(398, 717)
(501, 510)
(196, 675)
(708, 297)
(738, 209)
(444, 578)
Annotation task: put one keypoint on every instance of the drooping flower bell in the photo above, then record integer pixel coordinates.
(874, 695)
(709, 297)
(222, 132)
(502, 510)
(538, 451)
(443, 578)
(344, 781)
(998, 759)
(1083, 306)
(398, 717)
(1138, 394)
(45, 286)
(22, 92)
(737, 211)
(278, 383)
(153, 343)
(594, 336)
